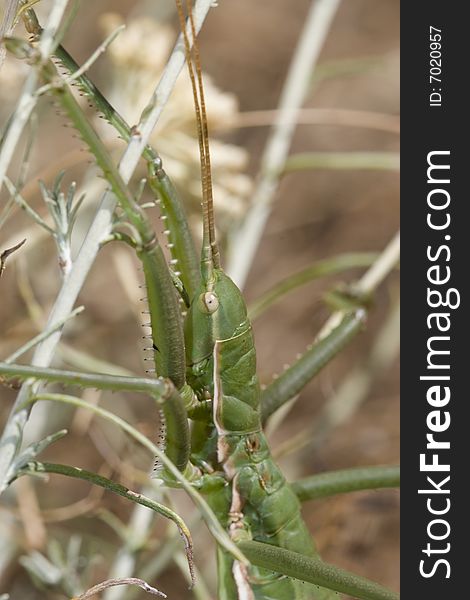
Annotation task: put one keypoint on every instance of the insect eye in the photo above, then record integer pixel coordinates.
(210, 301)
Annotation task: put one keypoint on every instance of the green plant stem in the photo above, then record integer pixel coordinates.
(117, 488)
(209, 517)
(347, 480)
(163, 392)
(155, 387)
(318, 269)
(313, 570)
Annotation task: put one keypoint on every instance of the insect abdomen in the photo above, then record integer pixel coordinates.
(265, 507)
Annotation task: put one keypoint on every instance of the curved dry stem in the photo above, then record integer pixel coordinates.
(6, 253)
(104, 585)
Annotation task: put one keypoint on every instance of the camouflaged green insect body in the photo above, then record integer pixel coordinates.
(221, 364)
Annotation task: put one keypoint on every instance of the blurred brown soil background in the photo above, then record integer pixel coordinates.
(246, 46)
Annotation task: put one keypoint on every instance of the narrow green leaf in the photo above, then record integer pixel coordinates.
(117, 488)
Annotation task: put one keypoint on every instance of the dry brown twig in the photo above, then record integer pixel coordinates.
(6, 253)
(96, 589)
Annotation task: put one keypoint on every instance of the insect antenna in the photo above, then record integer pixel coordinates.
(210, 252)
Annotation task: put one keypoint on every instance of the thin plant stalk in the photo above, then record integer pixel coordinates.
(244, 243)
(111, 583)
